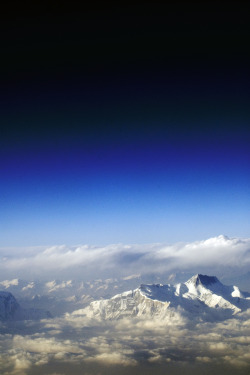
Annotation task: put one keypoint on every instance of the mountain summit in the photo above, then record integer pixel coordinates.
(203, 280)
(200, 295)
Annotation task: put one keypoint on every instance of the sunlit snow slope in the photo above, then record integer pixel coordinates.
(201, 295)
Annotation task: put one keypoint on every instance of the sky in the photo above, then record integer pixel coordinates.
(124, 125)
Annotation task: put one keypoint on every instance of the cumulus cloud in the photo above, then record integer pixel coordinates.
(173, 344)
(85, 261)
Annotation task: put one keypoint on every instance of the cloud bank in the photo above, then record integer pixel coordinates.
(80, 345)
(86, 261)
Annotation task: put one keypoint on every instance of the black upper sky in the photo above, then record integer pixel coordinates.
(118, 71)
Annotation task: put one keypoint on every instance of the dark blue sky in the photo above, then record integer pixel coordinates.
(124, 125)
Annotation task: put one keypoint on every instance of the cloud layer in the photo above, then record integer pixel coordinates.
(89, 261)
(81, 345)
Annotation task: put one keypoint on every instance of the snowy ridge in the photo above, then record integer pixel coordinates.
(131, 303)
(200, 295)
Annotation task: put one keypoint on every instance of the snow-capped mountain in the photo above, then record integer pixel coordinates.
(61, 296)
(11, 310)
(201, 295)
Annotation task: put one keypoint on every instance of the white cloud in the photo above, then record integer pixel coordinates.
(43, 345)
(128, 343)
(85, 261)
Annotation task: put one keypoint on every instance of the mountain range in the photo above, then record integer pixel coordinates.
(201, 296)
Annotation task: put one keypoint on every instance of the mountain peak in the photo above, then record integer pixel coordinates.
(203, 279)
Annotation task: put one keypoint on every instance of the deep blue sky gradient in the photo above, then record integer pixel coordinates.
(116, 133)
